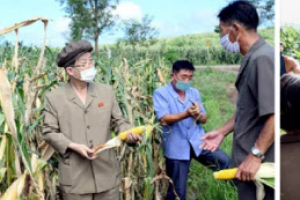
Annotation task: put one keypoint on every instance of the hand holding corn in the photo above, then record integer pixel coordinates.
(130, 136)
(248, 168)
(264, 175)
(194, 110)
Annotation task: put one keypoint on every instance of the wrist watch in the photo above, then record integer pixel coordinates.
(255, 151)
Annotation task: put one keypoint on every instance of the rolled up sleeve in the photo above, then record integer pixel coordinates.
(160, 103)
(265, 85)
(202, 109)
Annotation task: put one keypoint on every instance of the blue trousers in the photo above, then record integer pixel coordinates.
(178, 170)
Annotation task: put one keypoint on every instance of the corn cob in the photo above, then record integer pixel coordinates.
(136, 130)
(225, 174)
(265, 175)
(122, 136)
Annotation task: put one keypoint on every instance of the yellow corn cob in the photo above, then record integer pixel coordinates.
(136, 130)
(225, 174)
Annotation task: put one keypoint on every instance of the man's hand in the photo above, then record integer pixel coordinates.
(248, 169)
(83, 150)
(133, 138)
(194, 110)
(211, 140)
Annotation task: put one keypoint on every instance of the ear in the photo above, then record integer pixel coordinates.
(172, 76)
(236, 26)
(237, 30)
(69, 70)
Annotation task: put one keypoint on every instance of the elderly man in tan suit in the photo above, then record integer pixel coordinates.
(78, 116)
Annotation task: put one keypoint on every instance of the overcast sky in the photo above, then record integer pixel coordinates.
(289, 13)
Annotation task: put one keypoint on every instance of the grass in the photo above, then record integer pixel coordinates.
(201, 49)
(213, 88)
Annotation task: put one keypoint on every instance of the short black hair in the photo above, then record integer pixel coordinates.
(290, 102)
(242, 12)
(182, 64)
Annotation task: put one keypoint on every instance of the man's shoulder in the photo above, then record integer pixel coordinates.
(265, 49)
(161, 89)
(53, 92)
(194, 90)
(264, 54)
(289, 59)
(101, 86)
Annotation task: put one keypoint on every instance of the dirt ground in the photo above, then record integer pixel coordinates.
(231, 90)
(222, 68)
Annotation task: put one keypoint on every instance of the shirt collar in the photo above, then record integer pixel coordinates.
(71, 93)
(174, 94)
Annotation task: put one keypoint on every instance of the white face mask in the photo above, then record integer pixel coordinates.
(88, 75)
(228, 45)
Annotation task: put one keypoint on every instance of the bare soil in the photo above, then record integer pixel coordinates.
(221, 68)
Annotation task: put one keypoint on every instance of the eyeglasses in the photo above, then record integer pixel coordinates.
(85, 62)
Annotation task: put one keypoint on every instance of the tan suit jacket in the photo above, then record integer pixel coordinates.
(68, 120)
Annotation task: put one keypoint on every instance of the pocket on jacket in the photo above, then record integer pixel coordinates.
(64, 170)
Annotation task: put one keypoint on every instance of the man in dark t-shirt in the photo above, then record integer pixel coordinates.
(288, 64)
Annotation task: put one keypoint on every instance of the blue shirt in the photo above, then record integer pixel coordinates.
(178, 137)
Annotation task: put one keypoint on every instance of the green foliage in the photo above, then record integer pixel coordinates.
(201, 49)
(215, 88)
(141, 33)
(289, 36)
(90, 18)
(265, 9)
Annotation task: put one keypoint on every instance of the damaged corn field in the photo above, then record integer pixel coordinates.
(29, 166)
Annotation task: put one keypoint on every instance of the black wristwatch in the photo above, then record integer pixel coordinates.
(255, 151)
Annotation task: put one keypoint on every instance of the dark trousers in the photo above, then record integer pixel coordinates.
(247, 191)
(178, 170)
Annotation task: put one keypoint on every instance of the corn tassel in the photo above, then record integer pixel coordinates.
(137, 130)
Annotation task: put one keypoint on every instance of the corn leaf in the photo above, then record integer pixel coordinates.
(3, 146)
(2, 173)
(6, 102)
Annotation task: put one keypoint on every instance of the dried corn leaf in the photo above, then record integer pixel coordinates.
(15, 189)
(2, 173)
(47, 151)
(3, 146)
(6, 102)
(21, 24)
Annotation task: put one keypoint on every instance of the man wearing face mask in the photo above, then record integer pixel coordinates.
(180, 110)
(253, 121)
(79, 115)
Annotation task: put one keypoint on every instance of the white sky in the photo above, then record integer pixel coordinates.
(289, 12)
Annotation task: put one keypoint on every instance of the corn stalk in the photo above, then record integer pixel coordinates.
(28, 78)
